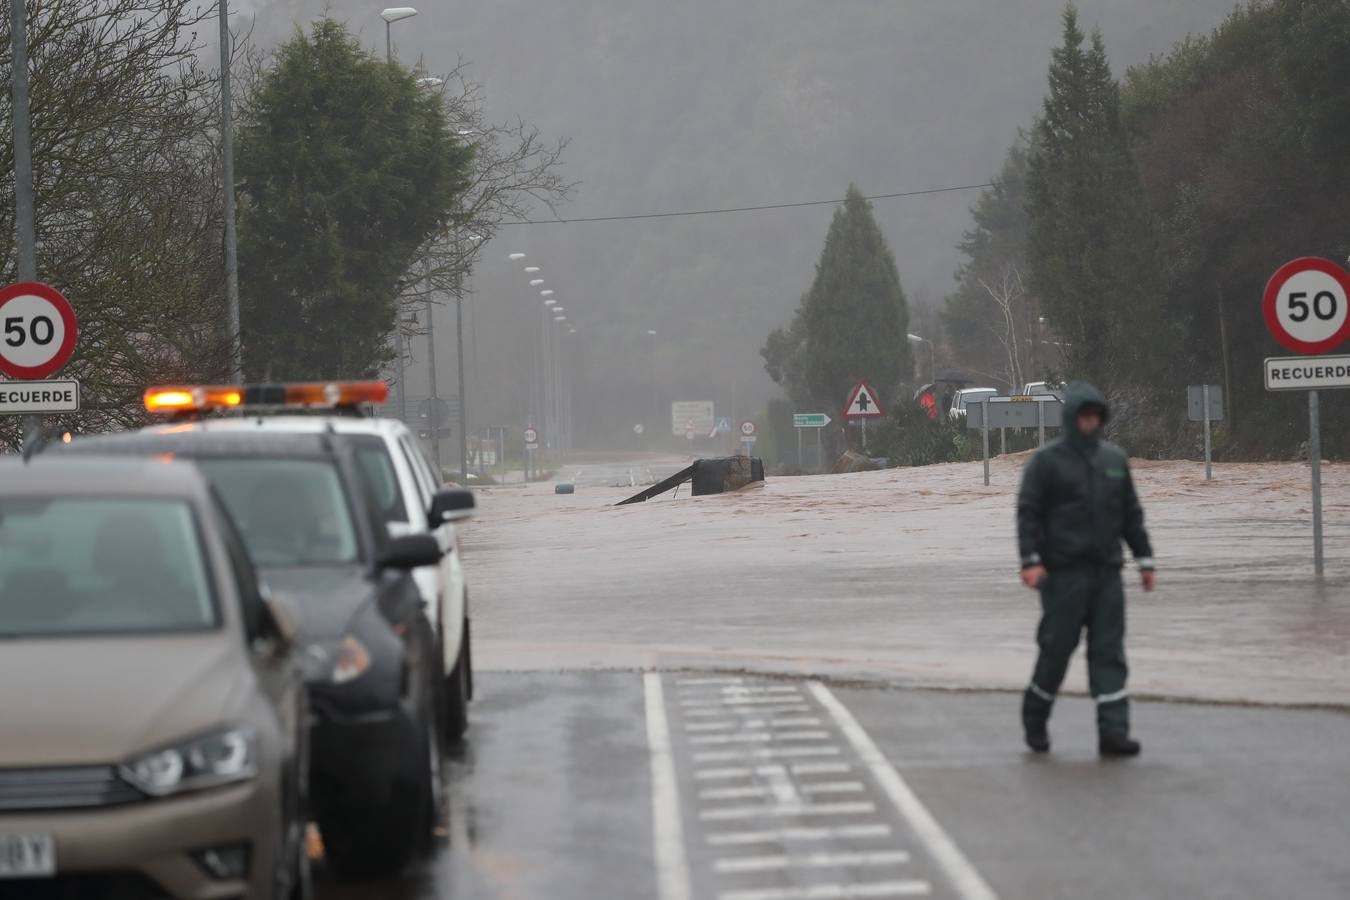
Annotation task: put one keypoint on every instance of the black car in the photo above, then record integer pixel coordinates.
(312, 531)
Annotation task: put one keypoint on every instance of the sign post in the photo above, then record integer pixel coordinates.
(531, 445)
(818, 421)
(984, 436)
(1307, 309)
(862, 405)
(38, 335)
(1204, 403)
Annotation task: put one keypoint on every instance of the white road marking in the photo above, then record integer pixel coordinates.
(811, 788)
(731, 813)
(954, 864)
(913, 888)
(672, 866)
(809, 861)
(781, 835)
(761, 689)
(766, 753)
(697, 681)
(720, 710)
(759, 737)
(736, 793)
(753, 724)
(830, 768)
(735, 700)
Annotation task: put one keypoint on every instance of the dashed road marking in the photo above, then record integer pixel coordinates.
(766, 753)
(810, 861)
(722, 711)
(761, 737)
(810, 768)
(801, 834)
(812, 788)
(781, 811)
(854, 891)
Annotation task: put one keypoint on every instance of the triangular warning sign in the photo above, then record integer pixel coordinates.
(862, 403)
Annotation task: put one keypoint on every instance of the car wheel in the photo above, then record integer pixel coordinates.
(457, 691)
(381, 839)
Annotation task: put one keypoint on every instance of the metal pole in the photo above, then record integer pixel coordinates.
(1040, 422)
(25, 229)
(1315, 454)
(984, 435)
(401, 394)
(820, 449)
(431, 366)
(1003, 442)
(864, 435)
(227, 190)
(1204, 398)
(801, 463)
(463, 394)
(388, 42)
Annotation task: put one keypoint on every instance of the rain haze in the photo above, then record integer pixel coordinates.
(739, 450)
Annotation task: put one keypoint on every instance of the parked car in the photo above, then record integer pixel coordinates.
(155, 732)
(313, 531)
(411, 500)
(1041, 389)
(962, 398)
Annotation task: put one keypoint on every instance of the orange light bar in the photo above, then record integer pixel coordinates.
(336, 393)
(191, 399)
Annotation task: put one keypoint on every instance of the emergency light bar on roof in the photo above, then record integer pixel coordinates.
(202, 398)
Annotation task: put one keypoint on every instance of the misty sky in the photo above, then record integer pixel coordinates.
(716, 103)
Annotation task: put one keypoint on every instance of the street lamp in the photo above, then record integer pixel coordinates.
(391, 15)
(932, 355)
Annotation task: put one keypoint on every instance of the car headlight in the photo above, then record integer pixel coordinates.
(351, 659)
(221, 757)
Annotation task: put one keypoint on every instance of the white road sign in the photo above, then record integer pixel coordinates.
(1307, 373)
(21, 398)
(748, 429)
(38, 330)
(696, 414)
(862, 403)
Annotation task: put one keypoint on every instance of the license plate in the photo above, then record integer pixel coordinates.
(27, 855)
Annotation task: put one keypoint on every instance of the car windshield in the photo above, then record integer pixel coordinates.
(77, 565)
(291, 512)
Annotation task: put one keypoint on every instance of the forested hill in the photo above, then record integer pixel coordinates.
(713, 103)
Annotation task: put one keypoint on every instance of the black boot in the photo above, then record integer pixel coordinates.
(1038, 738)
(1117, 743)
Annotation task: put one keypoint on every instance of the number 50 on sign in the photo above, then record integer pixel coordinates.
(1307, 305)
(37, 330)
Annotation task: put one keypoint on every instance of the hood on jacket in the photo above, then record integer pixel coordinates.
(1076, 396)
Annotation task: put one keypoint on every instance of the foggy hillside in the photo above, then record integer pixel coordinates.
(703, 104)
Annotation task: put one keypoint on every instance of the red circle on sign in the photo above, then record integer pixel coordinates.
(63, 309)
(1270, 304)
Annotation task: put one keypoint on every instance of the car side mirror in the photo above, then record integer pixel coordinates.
(451, 505)
(411, 551)
(281, 618)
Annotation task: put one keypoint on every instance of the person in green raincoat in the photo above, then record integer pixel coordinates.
(1076, 504)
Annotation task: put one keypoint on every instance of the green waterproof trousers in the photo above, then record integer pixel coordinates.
(1072, 599)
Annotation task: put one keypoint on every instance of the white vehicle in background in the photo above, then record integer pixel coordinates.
(408, 496)
(962, 398)
(1041, 389)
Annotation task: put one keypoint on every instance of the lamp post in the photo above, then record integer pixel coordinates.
(932, 355)
(391, 15)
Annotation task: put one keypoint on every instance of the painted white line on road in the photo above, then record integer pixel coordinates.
(964, 877)
(811, 788)
(696, 681)
(737, 700)
(761, 689)
(759, 737)
(766, 711)
(829, 768)
(731, 813)
(672, 866)
(753, 724)
(736, 793)
(740, 864)
(876, 889)
(821, 768)
(781, 835)
(767, 753)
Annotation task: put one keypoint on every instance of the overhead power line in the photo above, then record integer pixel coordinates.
(740, 209)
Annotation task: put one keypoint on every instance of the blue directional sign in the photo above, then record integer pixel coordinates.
(723, 425)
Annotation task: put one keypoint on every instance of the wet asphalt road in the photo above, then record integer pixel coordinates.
(611, 785)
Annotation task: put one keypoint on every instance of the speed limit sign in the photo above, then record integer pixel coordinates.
(1307, 305)
(37, 330)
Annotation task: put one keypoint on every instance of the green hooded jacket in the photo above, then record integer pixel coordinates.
(1077, 501)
